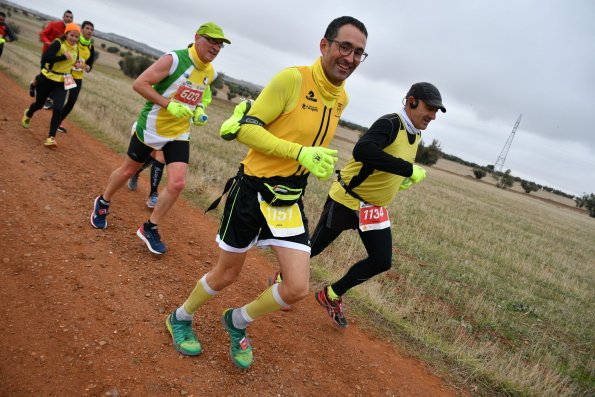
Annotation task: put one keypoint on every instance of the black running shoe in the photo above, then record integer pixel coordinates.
(49, 104)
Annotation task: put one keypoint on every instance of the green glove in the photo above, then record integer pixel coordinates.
(2, 40)
(419, 174)
(327, 175)
(405, 184)
(200, 118)
(318, 160)
(231, 126)
(178, 110)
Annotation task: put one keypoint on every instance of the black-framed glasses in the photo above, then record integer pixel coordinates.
(345, 49)
(213, 41)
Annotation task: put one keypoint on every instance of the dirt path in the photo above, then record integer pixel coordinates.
(82, 309)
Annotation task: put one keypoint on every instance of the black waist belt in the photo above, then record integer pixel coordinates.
(51, 71)
(347, 188)
(290, 183)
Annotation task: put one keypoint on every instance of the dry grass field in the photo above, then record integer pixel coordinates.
(491, 287)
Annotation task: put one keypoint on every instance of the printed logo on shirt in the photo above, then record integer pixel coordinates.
(310, 97)
(339, 109)
(309, 107)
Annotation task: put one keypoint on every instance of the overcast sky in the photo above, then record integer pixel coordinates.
(491, 60)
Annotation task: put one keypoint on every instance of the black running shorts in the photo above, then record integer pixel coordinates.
(173, 151)
(243, 225)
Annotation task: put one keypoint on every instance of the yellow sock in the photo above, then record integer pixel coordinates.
(267, 302)
(331, 294)
(200, 295)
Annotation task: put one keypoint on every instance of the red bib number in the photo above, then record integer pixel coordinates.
(372, 217)
(188, 95)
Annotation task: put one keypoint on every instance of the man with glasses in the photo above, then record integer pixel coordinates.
(287, 129)
(177, 90)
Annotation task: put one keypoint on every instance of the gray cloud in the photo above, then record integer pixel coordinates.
(491, 60)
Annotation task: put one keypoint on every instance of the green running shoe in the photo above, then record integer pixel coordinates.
(185, 340)
(240, 350)
(25, 120)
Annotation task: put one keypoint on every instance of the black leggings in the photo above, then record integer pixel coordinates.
(334, 220)
(73, 95)
(46, 88)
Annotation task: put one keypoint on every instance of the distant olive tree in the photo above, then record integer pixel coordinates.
(505, 180)
(529, 187)
(479, 172)
(16, 29)
(218, 82)
(133, 66)
(428, 155)
(587, 201)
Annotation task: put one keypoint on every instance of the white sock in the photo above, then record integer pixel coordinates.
(238, 319)
(182, 314)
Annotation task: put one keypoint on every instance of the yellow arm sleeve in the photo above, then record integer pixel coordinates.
(263, 141)
(207, 97)
(278, 97)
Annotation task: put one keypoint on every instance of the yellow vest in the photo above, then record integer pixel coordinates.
(380, 188)
(84, 53)
(311, 122)
(56, 71)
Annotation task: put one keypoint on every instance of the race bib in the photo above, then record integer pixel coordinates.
(372, 217)
(282, 221)
(189, 95)
(69, 82)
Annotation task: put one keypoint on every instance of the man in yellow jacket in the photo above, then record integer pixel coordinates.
(287, 129)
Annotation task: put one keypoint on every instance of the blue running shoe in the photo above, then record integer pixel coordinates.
(240, 350)
(99, 214)
(152, 201)
(151, 237)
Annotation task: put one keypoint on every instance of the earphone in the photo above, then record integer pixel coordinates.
(412, 105)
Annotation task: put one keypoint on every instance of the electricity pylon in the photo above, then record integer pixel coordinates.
(502, 158)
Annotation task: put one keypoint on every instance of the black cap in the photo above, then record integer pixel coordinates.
(428, 93)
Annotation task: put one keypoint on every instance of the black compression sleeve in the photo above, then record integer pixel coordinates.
(369, 149)
(49, 56)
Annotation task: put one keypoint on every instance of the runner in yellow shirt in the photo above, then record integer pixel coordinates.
(288, 129)
(382, 165)
(55, 79)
